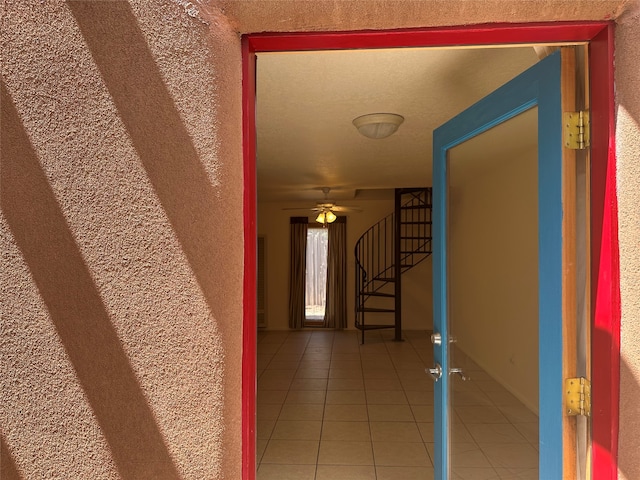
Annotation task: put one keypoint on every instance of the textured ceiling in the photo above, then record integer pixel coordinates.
(306, 102)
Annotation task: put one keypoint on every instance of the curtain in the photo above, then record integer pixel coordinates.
(336, 307)
(297, 271)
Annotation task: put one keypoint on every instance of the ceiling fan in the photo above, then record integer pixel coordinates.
(327, 209)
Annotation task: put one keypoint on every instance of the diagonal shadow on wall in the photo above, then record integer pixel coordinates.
(8, 468)
(76, 309)
(160, 138)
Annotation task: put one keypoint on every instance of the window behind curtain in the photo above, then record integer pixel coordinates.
(316, 274)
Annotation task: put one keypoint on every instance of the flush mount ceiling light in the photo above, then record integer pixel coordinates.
(378, 125)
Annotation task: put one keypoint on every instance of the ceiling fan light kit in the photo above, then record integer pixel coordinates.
(378, 125)
(325, 217)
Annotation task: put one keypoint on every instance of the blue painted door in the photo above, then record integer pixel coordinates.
(535, 92)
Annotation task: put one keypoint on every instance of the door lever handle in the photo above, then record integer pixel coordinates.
(458, 371)
(435, 373)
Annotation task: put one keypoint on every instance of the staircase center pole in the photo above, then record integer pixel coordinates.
(397, 263)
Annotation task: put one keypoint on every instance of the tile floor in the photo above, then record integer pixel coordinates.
(331, 409)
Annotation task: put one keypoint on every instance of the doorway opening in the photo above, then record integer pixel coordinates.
(285, 43)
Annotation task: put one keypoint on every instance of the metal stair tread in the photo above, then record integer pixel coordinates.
(375, 310)
(378, 294)
(423, 206)
(373, 326)
(384, 279)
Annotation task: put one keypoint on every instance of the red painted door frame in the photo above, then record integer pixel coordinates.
(604, 208)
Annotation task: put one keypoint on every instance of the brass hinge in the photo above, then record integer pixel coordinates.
(577, 396)
(576, 130)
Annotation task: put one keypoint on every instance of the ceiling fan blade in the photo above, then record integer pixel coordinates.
(339, 208)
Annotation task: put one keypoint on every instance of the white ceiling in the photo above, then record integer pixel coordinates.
(306, 102)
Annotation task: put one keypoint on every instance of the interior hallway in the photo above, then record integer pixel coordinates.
(331, 409)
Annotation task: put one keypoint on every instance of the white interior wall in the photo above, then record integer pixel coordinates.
(494, 267)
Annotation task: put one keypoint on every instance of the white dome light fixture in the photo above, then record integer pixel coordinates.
(378, 125)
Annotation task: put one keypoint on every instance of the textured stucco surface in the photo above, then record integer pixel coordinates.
(121, 242)
(121, 224)
(250, 16)
(628, 173)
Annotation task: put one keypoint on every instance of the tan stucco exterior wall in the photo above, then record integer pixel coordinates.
(628, 173)
(121, 177)
(122, 245)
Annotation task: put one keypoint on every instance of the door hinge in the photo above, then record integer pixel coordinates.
(577, 396)
(576, 130)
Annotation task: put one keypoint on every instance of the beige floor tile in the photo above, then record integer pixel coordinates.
(380, 359)
(261, 446)
(422, 413)
(389, 413)
(319, 349)
(353, 372)
(287, 358)
(510, 455)
(282, 365)
(308, 384)
(426, 431)
(297, 430)
(417, 397)
(346, 431)
(291, 452)
(264, 428)
(346, 384)
(346, 357)
(382, 384)
(305, 397)
(465, 455)
(518, 414)
(411, 384)
(401, 454)
(286, 472)
(381, 373)
(374, 346)
(263, 359)
(461, 434)
(346, 472)
(301, 412)
(386, 397)
(268, 348)
(495, 433)
(474, 474)
(395, 432)
(268, 411)
(308, 363)
(488, 385)
(404, 473)
(275, 397)
(529, 431)
(270, 383)
(481, 414)
(517, 473)
(345, 453)
(473, 398)
(292, 349)
(346, 397)
(312, 373)
(503, 397)
(346, 413)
